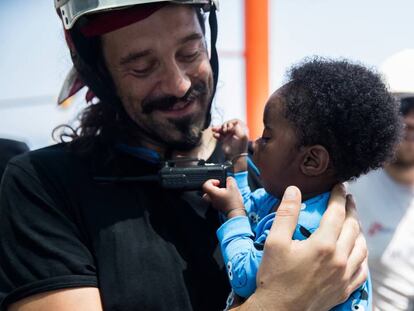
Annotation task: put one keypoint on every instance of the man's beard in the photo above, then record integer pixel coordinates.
(191, 135)
(190, 127)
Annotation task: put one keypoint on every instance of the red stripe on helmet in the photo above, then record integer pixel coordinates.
(104, 22)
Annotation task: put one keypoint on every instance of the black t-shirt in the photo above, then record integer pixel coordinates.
(145, 247)
(8, 149)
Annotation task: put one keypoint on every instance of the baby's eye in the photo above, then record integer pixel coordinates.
(266, 135)
(264, 139)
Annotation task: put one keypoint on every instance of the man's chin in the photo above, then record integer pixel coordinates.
(186, 143)
(188, 133)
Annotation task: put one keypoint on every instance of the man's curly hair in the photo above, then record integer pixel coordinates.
(346, 108)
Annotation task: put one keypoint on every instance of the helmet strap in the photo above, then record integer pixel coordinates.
(212, 20)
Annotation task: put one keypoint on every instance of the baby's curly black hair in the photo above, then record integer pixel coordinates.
(346, 108)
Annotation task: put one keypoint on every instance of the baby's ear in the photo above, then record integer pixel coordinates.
(315, 160)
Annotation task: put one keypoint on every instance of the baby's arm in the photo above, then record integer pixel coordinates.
(240, 256)
(258, 203)
(234, 138)
(242, 259)
(227, 200)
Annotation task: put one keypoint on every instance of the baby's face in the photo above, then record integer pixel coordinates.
(276, 153)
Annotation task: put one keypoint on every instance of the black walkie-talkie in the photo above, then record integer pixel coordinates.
(193, 177)
(181, 177)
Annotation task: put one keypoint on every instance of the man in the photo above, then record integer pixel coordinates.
(74, 235)
(386, 198)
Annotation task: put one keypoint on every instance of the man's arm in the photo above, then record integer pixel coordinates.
(317, 273)
(42, 251)
(80, 299)
(313, 274)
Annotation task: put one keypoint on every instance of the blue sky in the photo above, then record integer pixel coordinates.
(34, 59)
(365, 30)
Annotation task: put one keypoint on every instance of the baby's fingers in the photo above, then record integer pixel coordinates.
(231, 183)
(217, 135)
(216, 129)
(211, 186)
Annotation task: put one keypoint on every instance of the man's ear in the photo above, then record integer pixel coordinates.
(315, 160)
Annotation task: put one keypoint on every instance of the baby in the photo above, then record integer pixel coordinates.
(331, 122)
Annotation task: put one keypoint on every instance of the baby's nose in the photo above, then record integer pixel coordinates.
(255, 144)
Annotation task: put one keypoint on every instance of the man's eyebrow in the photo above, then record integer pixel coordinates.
(132, 57)
(192, 37)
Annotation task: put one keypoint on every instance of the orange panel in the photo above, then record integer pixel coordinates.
(257, 63)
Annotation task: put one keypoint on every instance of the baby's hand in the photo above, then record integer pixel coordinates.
(234, 137)
(227, 200)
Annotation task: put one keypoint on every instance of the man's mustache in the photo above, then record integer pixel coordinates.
(166, 102)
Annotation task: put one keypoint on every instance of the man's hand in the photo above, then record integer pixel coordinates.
(227, 200)
(317, 273)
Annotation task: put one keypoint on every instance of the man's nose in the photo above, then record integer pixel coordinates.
(175, 81)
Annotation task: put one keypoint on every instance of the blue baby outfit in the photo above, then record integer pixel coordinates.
(242, 239)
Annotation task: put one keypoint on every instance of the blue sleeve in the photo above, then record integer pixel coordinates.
(243, 185)
(242, 259)
(258, 203)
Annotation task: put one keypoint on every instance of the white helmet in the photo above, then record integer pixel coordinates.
(398, 70)
(71, 10)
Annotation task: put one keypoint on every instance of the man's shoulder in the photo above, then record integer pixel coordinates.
(54, 160)
(49, 155)
(11, 147)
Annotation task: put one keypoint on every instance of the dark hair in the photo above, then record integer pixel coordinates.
(106, 119)
(346, 108)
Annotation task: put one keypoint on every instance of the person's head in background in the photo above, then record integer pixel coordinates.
(402, 166)
(8, 149)
(331, 122)
(405, 151)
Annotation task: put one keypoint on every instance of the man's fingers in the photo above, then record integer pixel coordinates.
(333, 219)
(359, 277)
(359, 254)
(286, 217)
(350, 230)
